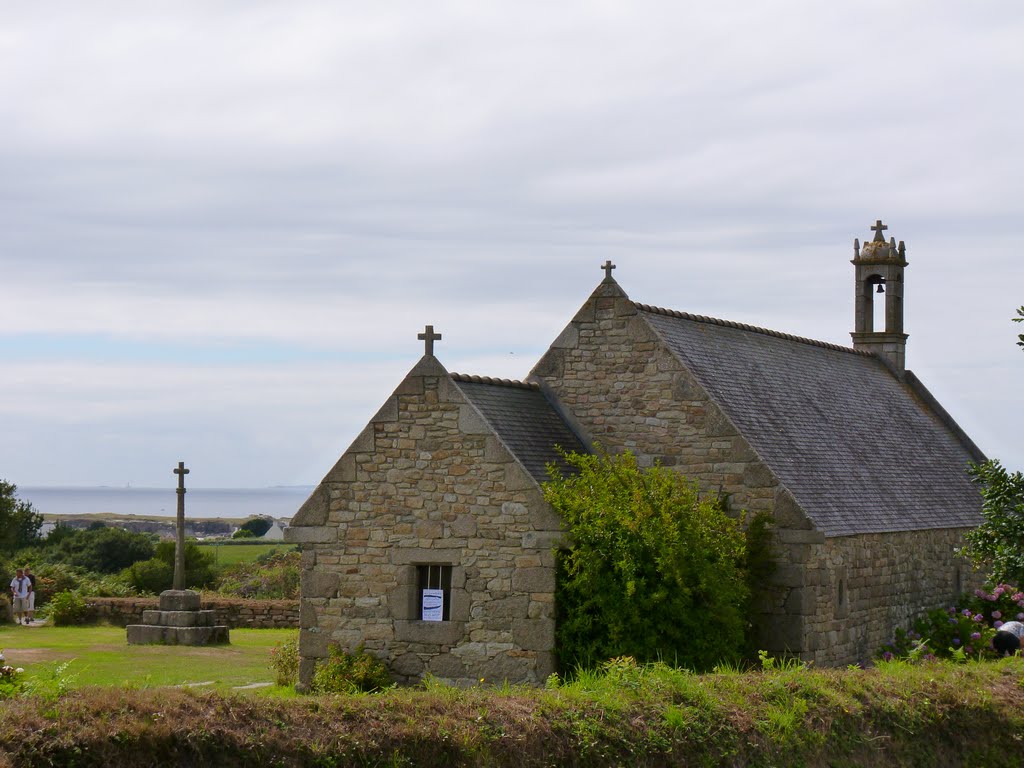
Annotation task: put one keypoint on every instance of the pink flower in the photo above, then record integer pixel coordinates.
(997, 615)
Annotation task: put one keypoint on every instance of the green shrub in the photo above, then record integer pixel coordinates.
(68, 608)
(102, 549)
(157, 574)
(356, 672)
(274, 576)
(284, 658)
(151, 576)
(11, 681)
(655, 572)
(52, 578)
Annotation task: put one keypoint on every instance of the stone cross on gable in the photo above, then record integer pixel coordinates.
(429, 337)
(179, 543)
(878, 229)
(608, 267)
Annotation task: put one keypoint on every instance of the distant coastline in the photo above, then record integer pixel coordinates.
(279, 502)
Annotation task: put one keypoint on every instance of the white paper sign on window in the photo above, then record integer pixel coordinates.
(433, 604)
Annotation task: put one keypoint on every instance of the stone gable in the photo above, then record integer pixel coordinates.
(429, 483)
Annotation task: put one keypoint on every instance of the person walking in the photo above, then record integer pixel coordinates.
(31, 595)
(20, 589)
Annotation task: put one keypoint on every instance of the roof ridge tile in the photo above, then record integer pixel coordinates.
(473, 379)
(746, 327)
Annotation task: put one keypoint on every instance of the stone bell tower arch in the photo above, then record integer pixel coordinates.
(879, 267)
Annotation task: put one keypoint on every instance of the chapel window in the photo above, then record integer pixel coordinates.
(433, 592)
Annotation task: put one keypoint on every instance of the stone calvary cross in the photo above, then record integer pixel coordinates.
(179, 542)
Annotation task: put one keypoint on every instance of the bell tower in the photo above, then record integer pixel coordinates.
(879, 269)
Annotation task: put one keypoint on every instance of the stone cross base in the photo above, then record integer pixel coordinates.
(178, 622)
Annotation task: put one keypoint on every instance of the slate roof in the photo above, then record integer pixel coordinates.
(523, 420)
(858, 449)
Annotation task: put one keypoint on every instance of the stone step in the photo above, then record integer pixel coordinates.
(180, 618)
(148, 634)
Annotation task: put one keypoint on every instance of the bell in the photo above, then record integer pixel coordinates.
(880, 289)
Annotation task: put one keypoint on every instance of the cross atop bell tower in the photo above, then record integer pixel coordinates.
(878, 268)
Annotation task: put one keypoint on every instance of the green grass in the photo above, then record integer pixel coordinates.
(101, 656)
(232, 554)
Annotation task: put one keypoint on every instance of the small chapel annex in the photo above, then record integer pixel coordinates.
(430, 544)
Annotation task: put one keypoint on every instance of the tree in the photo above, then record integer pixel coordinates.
(654, 571)
(102, 549)
(19, 522)
(257, 526)
(999, 541)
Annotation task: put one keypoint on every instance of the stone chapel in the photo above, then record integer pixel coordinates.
(430, 544)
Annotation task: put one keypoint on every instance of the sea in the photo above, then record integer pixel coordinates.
(278, 502)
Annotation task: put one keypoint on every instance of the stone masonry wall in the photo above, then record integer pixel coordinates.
(625, 390)
(427, 482)
(859, 589)
(236, 614)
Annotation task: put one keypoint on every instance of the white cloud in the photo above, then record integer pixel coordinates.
(305, 185)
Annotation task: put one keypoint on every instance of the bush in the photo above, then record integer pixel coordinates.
(356, 672)
(274, 576)
(284, 658)
(68, 608)
(151, 576)
(961, 631)
(52, 578)
(11, 681)
(655, 572)
(999, 604)
(101, 548)
(157, 574)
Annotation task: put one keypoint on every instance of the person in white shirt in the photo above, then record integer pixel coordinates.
(21, 587)
(31, 595)
(1008, 638)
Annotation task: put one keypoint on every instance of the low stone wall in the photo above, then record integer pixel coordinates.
(236, 614)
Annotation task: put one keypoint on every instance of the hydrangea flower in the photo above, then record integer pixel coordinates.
(978, 617)
(998, 624)
(956, 641)
(887, 656)
(975, 635)
(997, 615)
(966, 611)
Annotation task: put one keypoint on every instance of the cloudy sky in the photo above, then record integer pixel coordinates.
(222, 224)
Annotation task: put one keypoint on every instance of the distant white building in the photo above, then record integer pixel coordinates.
(275, 533)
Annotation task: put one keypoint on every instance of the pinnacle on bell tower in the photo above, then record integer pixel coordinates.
(879, 269)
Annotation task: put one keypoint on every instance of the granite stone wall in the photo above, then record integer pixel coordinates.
(428, 483)
(859, 589)
(236, 614)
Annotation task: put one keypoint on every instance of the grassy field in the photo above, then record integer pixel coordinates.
(231, 554)
(101, 656)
